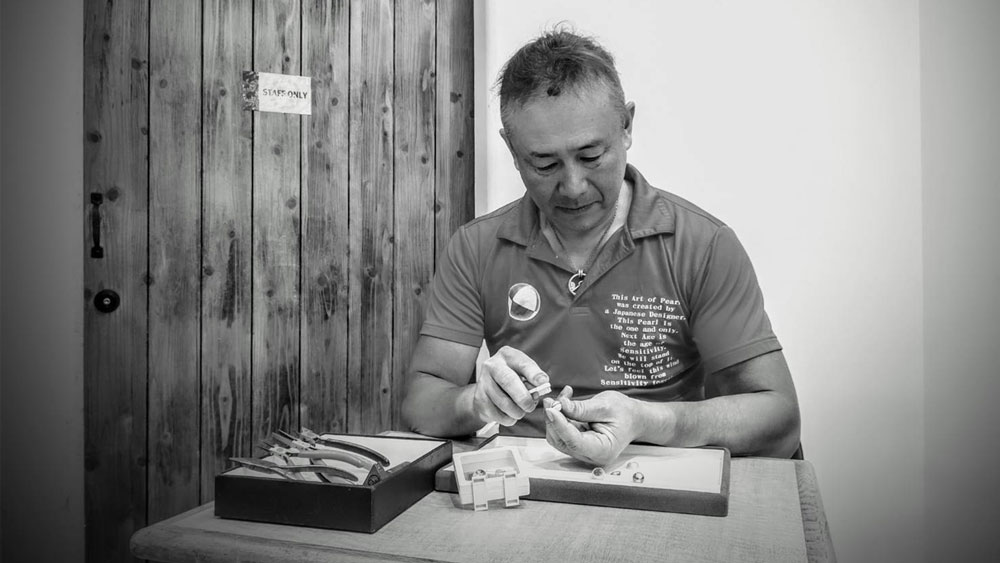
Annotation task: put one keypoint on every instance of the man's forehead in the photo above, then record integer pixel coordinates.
(542, 150)
(589, 99)
(566, 122)
(596, 91)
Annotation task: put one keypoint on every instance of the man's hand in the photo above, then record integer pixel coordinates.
(500, 393)
(594, 430)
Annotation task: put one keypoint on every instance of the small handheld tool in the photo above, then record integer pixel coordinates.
(291, 471)
(317, 440)
(298, 448)
(291, 451)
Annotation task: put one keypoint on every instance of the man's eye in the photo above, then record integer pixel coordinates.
(546, 168)
(591, 158)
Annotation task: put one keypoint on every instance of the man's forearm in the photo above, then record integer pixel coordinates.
(763, 423)
(435, 407)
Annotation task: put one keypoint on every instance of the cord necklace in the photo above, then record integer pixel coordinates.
(576, 280)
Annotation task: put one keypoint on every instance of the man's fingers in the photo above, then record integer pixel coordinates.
(587, 410)
(568, 431)
(523, 365)
(503, 402)
(586, 445)
(561, 433)
(507, 379)
(488, 410)
(592, 410)
(586, 430)
(497, 415)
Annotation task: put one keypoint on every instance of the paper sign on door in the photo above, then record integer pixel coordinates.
(282, 93)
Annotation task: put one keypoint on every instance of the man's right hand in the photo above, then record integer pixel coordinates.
(501, 394)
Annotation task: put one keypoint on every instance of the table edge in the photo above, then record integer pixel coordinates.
(187, 545)
(184, 544)
(816, 530)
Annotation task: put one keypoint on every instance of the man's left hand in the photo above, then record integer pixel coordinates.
(594, 430)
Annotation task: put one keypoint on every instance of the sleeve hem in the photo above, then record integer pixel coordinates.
(451, 335)
(742, 354)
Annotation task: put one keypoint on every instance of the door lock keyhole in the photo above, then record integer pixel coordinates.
(106, 301)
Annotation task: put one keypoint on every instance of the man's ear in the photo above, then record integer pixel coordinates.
(627, 125)
(510, 147)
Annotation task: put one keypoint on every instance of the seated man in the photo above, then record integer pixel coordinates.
(641, 310)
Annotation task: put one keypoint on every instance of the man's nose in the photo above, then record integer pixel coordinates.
(574, 181)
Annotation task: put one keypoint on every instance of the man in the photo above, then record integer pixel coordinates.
(641, 311)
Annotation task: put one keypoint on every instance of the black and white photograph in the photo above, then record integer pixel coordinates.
(499, 281)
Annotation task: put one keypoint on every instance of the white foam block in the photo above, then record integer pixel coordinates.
(543, 389)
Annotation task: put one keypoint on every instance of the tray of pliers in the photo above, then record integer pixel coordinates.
(307, 455)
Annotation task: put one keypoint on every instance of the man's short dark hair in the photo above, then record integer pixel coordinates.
(558, 61)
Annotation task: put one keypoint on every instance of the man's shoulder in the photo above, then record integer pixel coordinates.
(493, 219)
(666, 212)
(484, 230)
(691, 214)
(480, 236)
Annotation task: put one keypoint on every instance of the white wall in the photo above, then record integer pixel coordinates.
(798, 123)
(960, 44)
(41, 374)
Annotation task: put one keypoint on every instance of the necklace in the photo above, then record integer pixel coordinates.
(576, 280)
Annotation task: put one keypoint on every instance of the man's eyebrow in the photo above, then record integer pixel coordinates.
(590, 145)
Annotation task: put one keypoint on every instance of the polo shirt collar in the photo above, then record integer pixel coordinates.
(648, 215)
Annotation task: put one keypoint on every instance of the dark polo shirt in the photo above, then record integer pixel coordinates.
(671, 297)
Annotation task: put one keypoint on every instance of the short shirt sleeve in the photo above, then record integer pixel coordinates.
(729, 324)
(454, 307)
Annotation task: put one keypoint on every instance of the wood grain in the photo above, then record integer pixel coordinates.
(455, 156)
(115, 150)
(288, 256)
(325, 207)
(414, 181)
(226, 240)
(371, 211)
(276, 221)
(174, 256)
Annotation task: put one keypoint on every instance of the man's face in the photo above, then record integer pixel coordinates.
(570, 151)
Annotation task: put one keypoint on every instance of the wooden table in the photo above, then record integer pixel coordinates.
(438, 528)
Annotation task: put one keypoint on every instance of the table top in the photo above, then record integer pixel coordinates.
(439, 528)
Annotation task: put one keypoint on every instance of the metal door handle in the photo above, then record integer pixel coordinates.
(95, 225)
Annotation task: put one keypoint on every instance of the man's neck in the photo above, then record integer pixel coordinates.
(578, 246)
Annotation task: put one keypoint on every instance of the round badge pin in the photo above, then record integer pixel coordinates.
(523, 302)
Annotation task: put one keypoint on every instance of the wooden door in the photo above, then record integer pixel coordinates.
(267, 269)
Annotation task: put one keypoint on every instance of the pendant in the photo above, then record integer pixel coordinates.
(575, 281)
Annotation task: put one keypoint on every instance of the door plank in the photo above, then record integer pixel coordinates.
(325, 210)
(371, 209)
(276, 219)
(414, 186)
(455, 181)
(174, 256)
(227, 157)
(115, 149)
